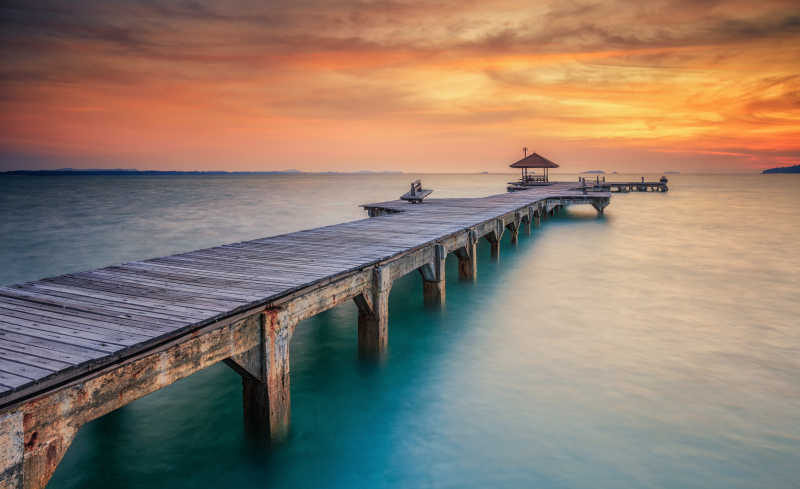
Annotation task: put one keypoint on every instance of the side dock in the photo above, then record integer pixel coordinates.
(599, 185)
(78, 346)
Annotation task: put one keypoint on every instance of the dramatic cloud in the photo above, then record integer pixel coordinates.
(399, 85)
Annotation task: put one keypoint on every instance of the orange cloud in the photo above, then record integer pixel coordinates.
(450, 87)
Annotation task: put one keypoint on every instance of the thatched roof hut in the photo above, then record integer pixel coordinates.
(534, 160)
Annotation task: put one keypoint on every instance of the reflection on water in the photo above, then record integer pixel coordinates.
(655, 347)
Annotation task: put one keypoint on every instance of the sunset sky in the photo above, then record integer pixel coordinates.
(442, 86)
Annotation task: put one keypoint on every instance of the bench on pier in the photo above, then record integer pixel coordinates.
(417, 193)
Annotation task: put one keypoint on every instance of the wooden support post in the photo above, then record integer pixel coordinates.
(433, 293)
(495, 244)
(12, 452)
(529, 220)
(468, 258)
(433, 278)
(36, 434)
(266, 380)
(494, 238)
(599, 205)
(373, 315)
(514, 228)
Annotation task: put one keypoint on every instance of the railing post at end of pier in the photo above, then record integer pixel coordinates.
(373, 315)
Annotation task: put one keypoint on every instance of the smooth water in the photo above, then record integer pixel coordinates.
(658, 346)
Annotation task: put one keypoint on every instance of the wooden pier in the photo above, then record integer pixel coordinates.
(75, 347)
(600, 185)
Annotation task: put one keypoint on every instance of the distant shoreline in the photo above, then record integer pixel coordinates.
(783, 169)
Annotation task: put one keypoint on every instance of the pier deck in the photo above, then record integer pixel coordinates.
(624, 187)
(78, 346)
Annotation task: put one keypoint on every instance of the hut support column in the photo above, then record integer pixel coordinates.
(433, 278)
(468, 259)
(265, 379)
(373, 315)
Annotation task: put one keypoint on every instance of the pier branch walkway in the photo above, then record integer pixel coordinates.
(77, 346)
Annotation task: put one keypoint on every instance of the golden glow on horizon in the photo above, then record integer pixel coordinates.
(605, 86)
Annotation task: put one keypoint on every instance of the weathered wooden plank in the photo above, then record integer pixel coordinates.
(35, 296)
(27, 346)
(27, 319)
(83, 297)
(69, 339)
(12, 380)
(34, 360)
(218, 286)
(84, 289)
(38, 341)
(75, 316)
(140, 289)
(11, 366)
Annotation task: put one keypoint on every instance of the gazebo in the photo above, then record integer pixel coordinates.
(534, 160)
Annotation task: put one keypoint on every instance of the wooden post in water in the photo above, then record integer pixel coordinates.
(433, 278)
(529, 219)
(373, 315)
(495, 244)
(513, 226)
(599, 205)
(468, 258)
(494, 238)
(266, 380)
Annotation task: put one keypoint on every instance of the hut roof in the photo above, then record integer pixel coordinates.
(534, 161)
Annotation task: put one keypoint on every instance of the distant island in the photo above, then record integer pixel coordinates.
(593, 172)
(125, 171)
(784, 169)
(672, 173)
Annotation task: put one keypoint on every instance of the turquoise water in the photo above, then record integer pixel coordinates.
(655, 347)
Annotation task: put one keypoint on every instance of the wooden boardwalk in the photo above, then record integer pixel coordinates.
(77, 346)
(624, 187)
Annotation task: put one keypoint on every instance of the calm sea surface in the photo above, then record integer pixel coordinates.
(658, 346)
